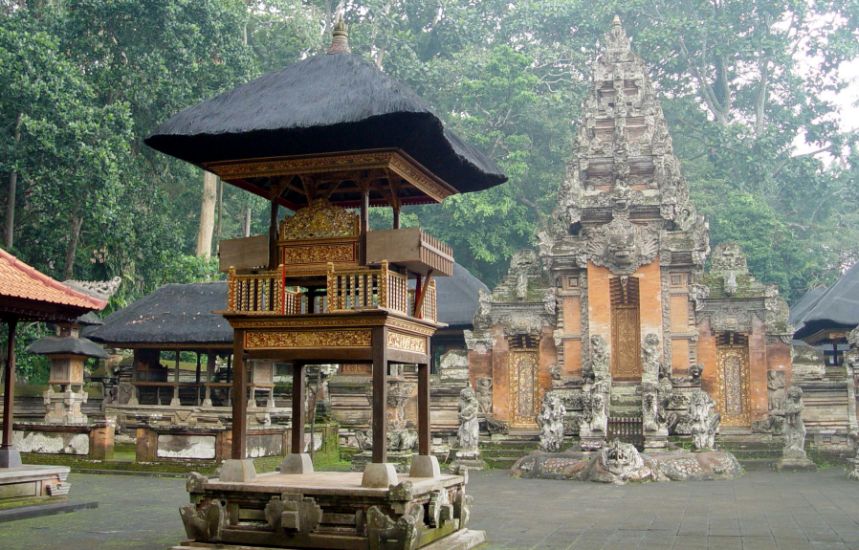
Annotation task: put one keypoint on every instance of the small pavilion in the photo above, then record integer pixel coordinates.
(323, 137)
(28, 295)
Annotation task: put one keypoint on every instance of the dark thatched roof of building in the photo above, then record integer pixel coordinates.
(175, 315)
(800, 308)
(457, 297)
(67, 345)
(325, 104)
(837, 308)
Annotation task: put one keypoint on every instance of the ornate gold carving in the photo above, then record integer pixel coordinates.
(524, 390)
(319, 220)
(284, 166)
(309, 339)
(413, 173)
(407, 342)
(732, 372)
(318, 254)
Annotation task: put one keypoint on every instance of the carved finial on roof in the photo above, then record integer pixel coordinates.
(339, 38)
(617, 43)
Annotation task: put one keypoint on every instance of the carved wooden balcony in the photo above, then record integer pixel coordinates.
(346, 289)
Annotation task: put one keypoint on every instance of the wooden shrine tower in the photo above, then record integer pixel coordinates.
(327, 137)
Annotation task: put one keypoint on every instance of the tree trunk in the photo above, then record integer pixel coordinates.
(11, 193)
(246, 221)
(72, 248)
(207, 216)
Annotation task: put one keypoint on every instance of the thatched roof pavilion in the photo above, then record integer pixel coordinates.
(833, 313)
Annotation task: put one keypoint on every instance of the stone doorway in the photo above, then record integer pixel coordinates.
(625, 329)
(732, 372)
(524, 388)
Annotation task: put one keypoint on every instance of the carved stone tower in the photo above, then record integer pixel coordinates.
(620, 269)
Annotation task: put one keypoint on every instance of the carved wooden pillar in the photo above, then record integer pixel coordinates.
(298, 412)
(380, 395)
(9, 386)
(239, 397)
(424, 435)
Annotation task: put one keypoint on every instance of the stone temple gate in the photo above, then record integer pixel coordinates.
(613, 308)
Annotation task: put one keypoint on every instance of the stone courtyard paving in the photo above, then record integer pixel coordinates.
(761, 510)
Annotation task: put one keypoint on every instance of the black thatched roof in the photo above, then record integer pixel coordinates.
(325, 104)
(457, 297)
(808, 300)
(175, 315)
(67, 345)
(837, 308)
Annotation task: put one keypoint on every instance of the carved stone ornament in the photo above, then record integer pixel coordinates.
(551, 423)
(440, 508)
(704, 420)
(469, 428)
(401, 534)
(319, 220)
(195, 482)
(204, 520)
(622, 246)
(293, 513)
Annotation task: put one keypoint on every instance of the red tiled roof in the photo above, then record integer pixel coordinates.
(21, 281)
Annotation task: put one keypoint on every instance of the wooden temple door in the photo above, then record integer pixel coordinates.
(524, 387)
(625, 329)
(732, 371)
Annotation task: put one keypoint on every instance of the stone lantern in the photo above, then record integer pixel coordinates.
(68, 353)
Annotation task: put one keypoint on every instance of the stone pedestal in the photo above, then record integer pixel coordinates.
(467, 461)
(238, 470)
(10, 457)
(795, 462)
(299, 463)
(425, 466)
(379, 475)
(656, 441)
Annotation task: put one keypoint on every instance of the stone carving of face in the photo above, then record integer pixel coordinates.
(621, 246)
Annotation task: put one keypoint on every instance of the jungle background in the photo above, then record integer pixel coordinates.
(747, 87)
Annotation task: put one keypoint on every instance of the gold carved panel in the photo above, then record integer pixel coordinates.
(319, 220)
(524, 397)
(626, 343)
(407, 342)
(318, 254)
(308, 339)
(732, 373)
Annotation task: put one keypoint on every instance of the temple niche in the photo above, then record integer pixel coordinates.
(613, 310)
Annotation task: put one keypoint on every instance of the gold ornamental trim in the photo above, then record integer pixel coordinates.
(291, 166)
(410, 326)
(396, 161)
(310, 339)
(409, 171)
(318, 254)
(320, 220)
(407, 342)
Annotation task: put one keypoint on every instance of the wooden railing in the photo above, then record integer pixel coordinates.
(256, 293)
(348, 289)
(436, 254)
(367, 288)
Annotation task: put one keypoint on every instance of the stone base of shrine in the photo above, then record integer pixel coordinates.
(328, 510)
(30, 481)
(795, 464)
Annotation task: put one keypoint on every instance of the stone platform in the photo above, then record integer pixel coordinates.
(28, 481)
(620, 463)
(328, 510)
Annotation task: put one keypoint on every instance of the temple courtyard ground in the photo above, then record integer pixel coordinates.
(761, 510)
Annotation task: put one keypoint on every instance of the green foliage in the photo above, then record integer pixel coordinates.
(85, 81)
